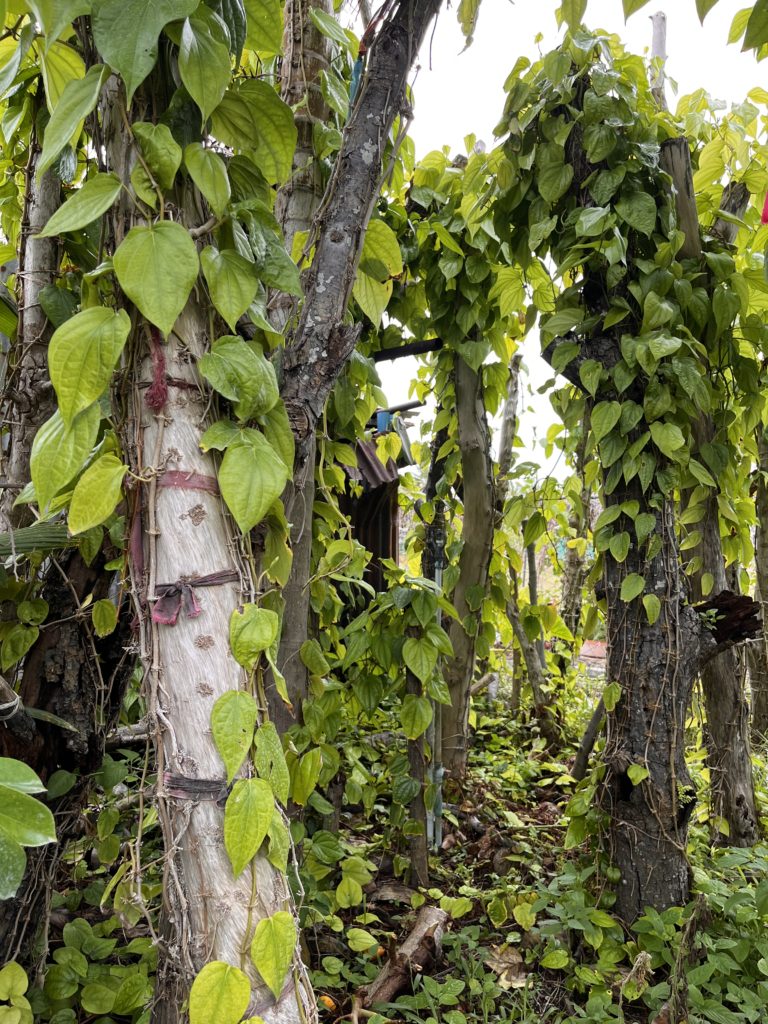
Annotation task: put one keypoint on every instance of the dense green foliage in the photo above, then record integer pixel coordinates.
(163, 128)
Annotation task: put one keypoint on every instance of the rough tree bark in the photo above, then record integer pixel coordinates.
(575, 570)
(321, 343)
(306, 56)
(28, 398)
(727, 713)
(757, 652)
(729, 756)
(477, 543)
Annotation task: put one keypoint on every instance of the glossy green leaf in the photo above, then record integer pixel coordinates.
(24, 819)
(554, 180)
(279, 843)
(558, 958)
(668, 438)
(304, 775)
(328, 26)
(415, 715)
(19, 776)
(160, 150)
(251, 632)
(219, 995)
(76, 103)
(467, 14)
(59, 452)
(273, 948)
(645, 524)
(269, 761)
(13, 863)
(420, 656)
(757, 26)
(233, 720)
(349, 892)
(126, 32)
(84, 206)
(247, 818)
(371, 296)
(157, 267)
(252, 475)
(639, 211)
(60, 64)
(232, 281)
(264, 34)
(56, 15)
(97, 998)
(204, 63)
(253, 119)
(632, 586)
(381, 250)
(82, 356)
(97, 494)
(604, 418)
(277, 430)
(209, 173)
(239, 371)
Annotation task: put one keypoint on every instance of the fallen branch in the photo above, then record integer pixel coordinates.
(413, 956)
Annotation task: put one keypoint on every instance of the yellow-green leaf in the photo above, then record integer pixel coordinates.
(253, 119)
(204, 59)
(126, 32)
(247, 819)
(157, 267)
(209, 173)
(251, 477)
(76, 102)
(232, 281)
(82, 356)
(252, 631)
(58, 451)
(86, 204)
(97, 494)
(272, 949)
(233, 720)
(219, 995)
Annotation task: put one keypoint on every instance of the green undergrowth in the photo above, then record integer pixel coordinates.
(532, 937)
(531, 934)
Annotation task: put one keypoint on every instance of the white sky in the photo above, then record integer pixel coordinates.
(458, 93)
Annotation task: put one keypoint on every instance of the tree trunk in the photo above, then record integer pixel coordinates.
(417, 760)
(188, 666)
(28, 397)
(575, 570)
(656, 666)
(321, 344)
(181, 532)
(306, 56)
(757, 651)
(477, 544)
(727, 712)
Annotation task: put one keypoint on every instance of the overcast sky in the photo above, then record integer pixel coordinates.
(458, 93)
